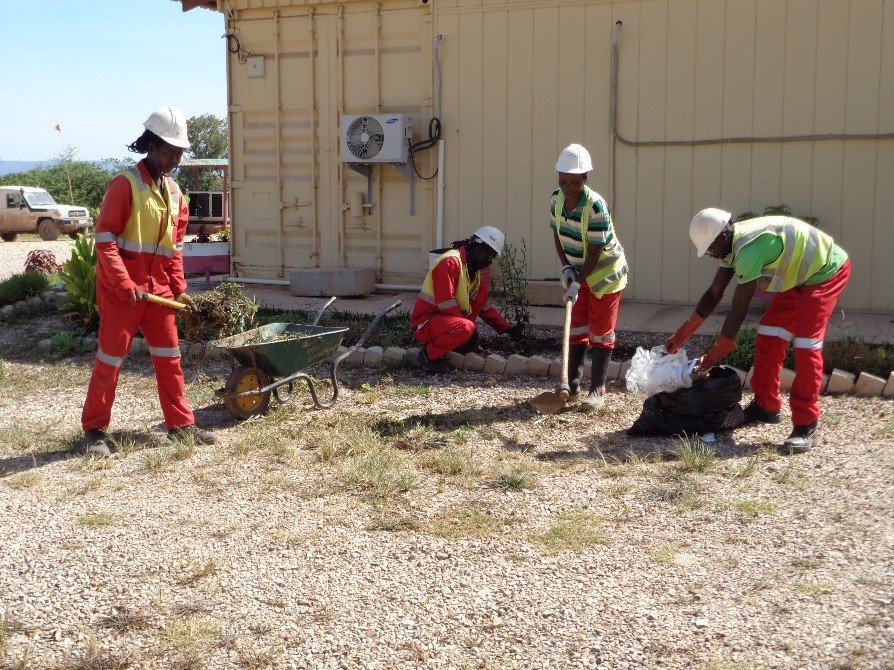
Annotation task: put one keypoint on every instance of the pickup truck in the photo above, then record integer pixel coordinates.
(32, 210)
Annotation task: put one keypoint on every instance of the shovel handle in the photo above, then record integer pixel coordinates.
(566, 337)
(165, 301)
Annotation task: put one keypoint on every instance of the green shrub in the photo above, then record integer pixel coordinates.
(22, 286)
(67, 343)
(851, 354)
(79, 276)
(778, 210)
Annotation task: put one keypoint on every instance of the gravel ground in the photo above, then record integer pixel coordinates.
(263, 552)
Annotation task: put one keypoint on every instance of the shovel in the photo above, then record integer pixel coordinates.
(165, 301)
(550, 402)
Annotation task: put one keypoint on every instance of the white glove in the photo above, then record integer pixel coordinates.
(568, 276)
(571, 293)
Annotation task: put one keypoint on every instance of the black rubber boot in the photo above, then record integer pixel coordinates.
(802, 439)
(598, 373)
(576, 355)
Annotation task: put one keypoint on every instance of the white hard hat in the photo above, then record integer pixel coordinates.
(574, 159)
(706, 226)
(493, 237)
(170, 125)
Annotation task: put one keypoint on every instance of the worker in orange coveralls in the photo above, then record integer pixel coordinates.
(139, 243)
(453, 296)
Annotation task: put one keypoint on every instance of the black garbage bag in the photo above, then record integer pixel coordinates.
(710, 405)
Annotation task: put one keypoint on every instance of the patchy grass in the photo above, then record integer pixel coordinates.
(665, 554)
(98, 520)
(515, 475)
(694, 454)
(477, 521)
(190, 632)
(573, 531)
(26, 480)
(199, 571)
(753, 508)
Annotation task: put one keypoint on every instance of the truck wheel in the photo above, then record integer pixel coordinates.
(9, 237)
(48, 230)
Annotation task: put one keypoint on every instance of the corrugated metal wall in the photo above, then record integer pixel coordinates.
(523, 78)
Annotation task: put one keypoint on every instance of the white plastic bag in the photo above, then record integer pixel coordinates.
(654, 371)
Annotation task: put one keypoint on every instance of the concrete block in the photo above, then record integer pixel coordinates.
(411, 358)
(394, 357)
(614, 372)
(373, 356)
(454, 360)
(786, 379)
(516, 365)
(213, 353)
(474, 362)
(495, 364)
(539, 366)
(625, 366)
(342, 349)
(317, 282)
(555, 368)
(748, 378)
(355, 360)
(888, 391)
(841, 382)
(825, 383)
(869, 386)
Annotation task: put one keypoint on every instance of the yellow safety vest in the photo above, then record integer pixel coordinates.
(466, 287)
(805, 250)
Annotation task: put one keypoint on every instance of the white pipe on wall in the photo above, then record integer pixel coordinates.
(279, 199)
(315, 183)
(439, 235)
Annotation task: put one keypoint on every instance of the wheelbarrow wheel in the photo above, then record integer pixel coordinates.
(240, 381)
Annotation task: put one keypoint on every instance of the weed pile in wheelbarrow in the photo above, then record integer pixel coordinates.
(269, 360)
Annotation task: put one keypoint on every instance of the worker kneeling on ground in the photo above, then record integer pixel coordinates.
(139, 244)
(453, 296)
(807, 272)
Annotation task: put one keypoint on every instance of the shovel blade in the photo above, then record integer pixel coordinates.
(550, 402)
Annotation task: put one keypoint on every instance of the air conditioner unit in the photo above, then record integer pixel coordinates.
(376, 138)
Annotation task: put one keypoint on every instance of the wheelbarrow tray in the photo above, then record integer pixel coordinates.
(282, 349)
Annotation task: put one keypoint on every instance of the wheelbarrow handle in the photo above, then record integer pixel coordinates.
(323, 309)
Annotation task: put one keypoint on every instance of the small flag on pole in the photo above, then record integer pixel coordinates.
(59, 127)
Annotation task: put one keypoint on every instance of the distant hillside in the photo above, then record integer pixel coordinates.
(7, 167)
(19, 166)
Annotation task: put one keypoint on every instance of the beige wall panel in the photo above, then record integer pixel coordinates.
(647, 246)
(624, 187)
(863, 61)
(470, 178)
(879, 271)
(495, 140)
(858, 203)
(831, 66)
(827, 175)
(769, 70)
(678, 161)
(527, 204)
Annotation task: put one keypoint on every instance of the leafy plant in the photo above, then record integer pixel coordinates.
(221, 312)
(79, 276)
(42, 261)
(510, 286)
(223, 235)
(66, 343)
(22, 286)
(778, 210)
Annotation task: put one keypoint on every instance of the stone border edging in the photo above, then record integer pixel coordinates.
(839, 382)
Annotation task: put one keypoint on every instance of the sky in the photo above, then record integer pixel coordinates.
(97, 68)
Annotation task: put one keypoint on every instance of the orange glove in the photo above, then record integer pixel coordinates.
(684, 332)
(721, 348)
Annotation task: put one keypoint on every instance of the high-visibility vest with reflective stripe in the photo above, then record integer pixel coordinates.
(805, 250)
(610, 273)
(151, 208)
(466, 287)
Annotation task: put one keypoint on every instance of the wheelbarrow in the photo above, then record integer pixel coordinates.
(267, 361)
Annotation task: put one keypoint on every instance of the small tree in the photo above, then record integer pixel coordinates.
(510, 287)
